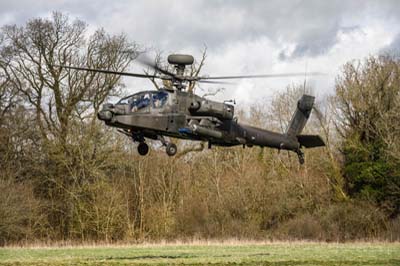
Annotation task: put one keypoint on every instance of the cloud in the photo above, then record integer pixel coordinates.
(393, 47)
(315, 42)
(312, 43)
(243, 37)
(312, 25)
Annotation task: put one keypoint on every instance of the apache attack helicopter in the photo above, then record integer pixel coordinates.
(179, 113)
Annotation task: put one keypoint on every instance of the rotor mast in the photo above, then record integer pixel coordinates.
(180, 61)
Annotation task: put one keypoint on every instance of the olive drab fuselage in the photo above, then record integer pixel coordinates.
(181, 114)
(178, 113)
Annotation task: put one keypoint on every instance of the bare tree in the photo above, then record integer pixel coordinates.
(8, 92)
(57, 94)
(196, 68)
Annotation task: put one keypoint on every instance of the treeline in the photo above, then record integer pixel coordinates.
(64, 176)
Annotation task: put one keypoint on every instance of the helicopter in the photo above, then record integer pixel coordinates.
(177, 112)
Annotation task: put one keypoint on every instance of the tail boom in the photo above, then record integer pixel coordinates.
(290, 140)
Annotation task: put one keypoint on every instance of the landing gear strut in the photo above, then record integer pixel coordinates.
(300, 154)
(170, 147)
(143, 148)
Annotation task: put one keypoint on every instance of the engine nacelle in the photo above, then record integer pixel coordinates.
(211, 108)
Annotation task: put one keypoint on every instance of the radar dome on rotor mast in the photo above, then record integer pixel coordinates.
(180, 59)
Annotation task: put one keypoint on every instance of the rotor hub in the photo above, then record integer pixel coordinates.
(180, 61)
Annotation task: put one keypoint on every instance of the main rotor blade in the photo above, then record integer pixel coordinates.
(214, 82)
(147, 62)
(113, 72)
(264, 76)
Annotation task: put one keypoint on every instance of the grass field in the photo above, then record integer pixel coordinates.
(296, 253)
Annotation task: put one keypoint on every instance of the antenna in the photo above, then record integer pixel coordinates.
(305, 77)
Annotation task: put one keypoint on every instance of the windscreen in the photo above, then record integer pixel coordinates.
(139, 101)
(159, 99)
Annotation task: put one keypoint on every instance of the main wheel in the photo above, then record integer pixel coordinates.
(143, 148)
(301, 157)
(171, 149)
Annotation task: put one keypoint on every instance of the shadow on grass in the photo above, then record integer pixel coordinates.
(172, 257)
(389, 262)
(182, 256)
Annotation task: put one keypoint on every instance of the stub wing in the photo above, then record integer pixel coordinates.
(310, 141)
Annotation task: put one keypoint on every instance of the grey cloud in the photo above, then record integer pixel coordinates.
(313, 43)
(317, 42)
(393, 47)
(311, 25)
(232, 29)
(175, 25)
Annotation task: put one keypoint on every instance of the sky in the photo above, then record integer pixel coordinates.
(242, 37)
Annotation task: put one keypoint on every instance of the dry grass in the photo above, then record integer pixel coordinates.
(204, 252)
(180, 242)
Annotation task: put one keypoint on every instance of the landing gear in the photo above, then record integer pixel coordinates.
(143, 148)
(300, 154)
(170, 147)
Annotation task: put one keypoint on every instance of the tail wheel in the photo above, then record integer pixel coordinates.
(143, 148)
(171, 149)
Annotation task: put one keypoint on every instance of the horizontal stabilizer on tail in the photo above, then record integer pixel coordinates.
(310, 141)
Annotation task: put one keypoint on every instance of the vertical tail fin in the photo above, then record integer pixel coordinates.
(300, 117)
(296, 126)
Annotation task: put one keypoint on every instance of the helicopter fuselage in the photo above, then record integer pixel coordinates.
(179, 113)
(184, 115)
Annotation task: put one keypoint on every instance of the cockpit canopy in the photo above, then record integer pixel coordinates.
(146, 99)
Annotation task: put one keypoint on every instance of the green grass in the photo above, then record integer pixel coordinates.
(248, 254)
